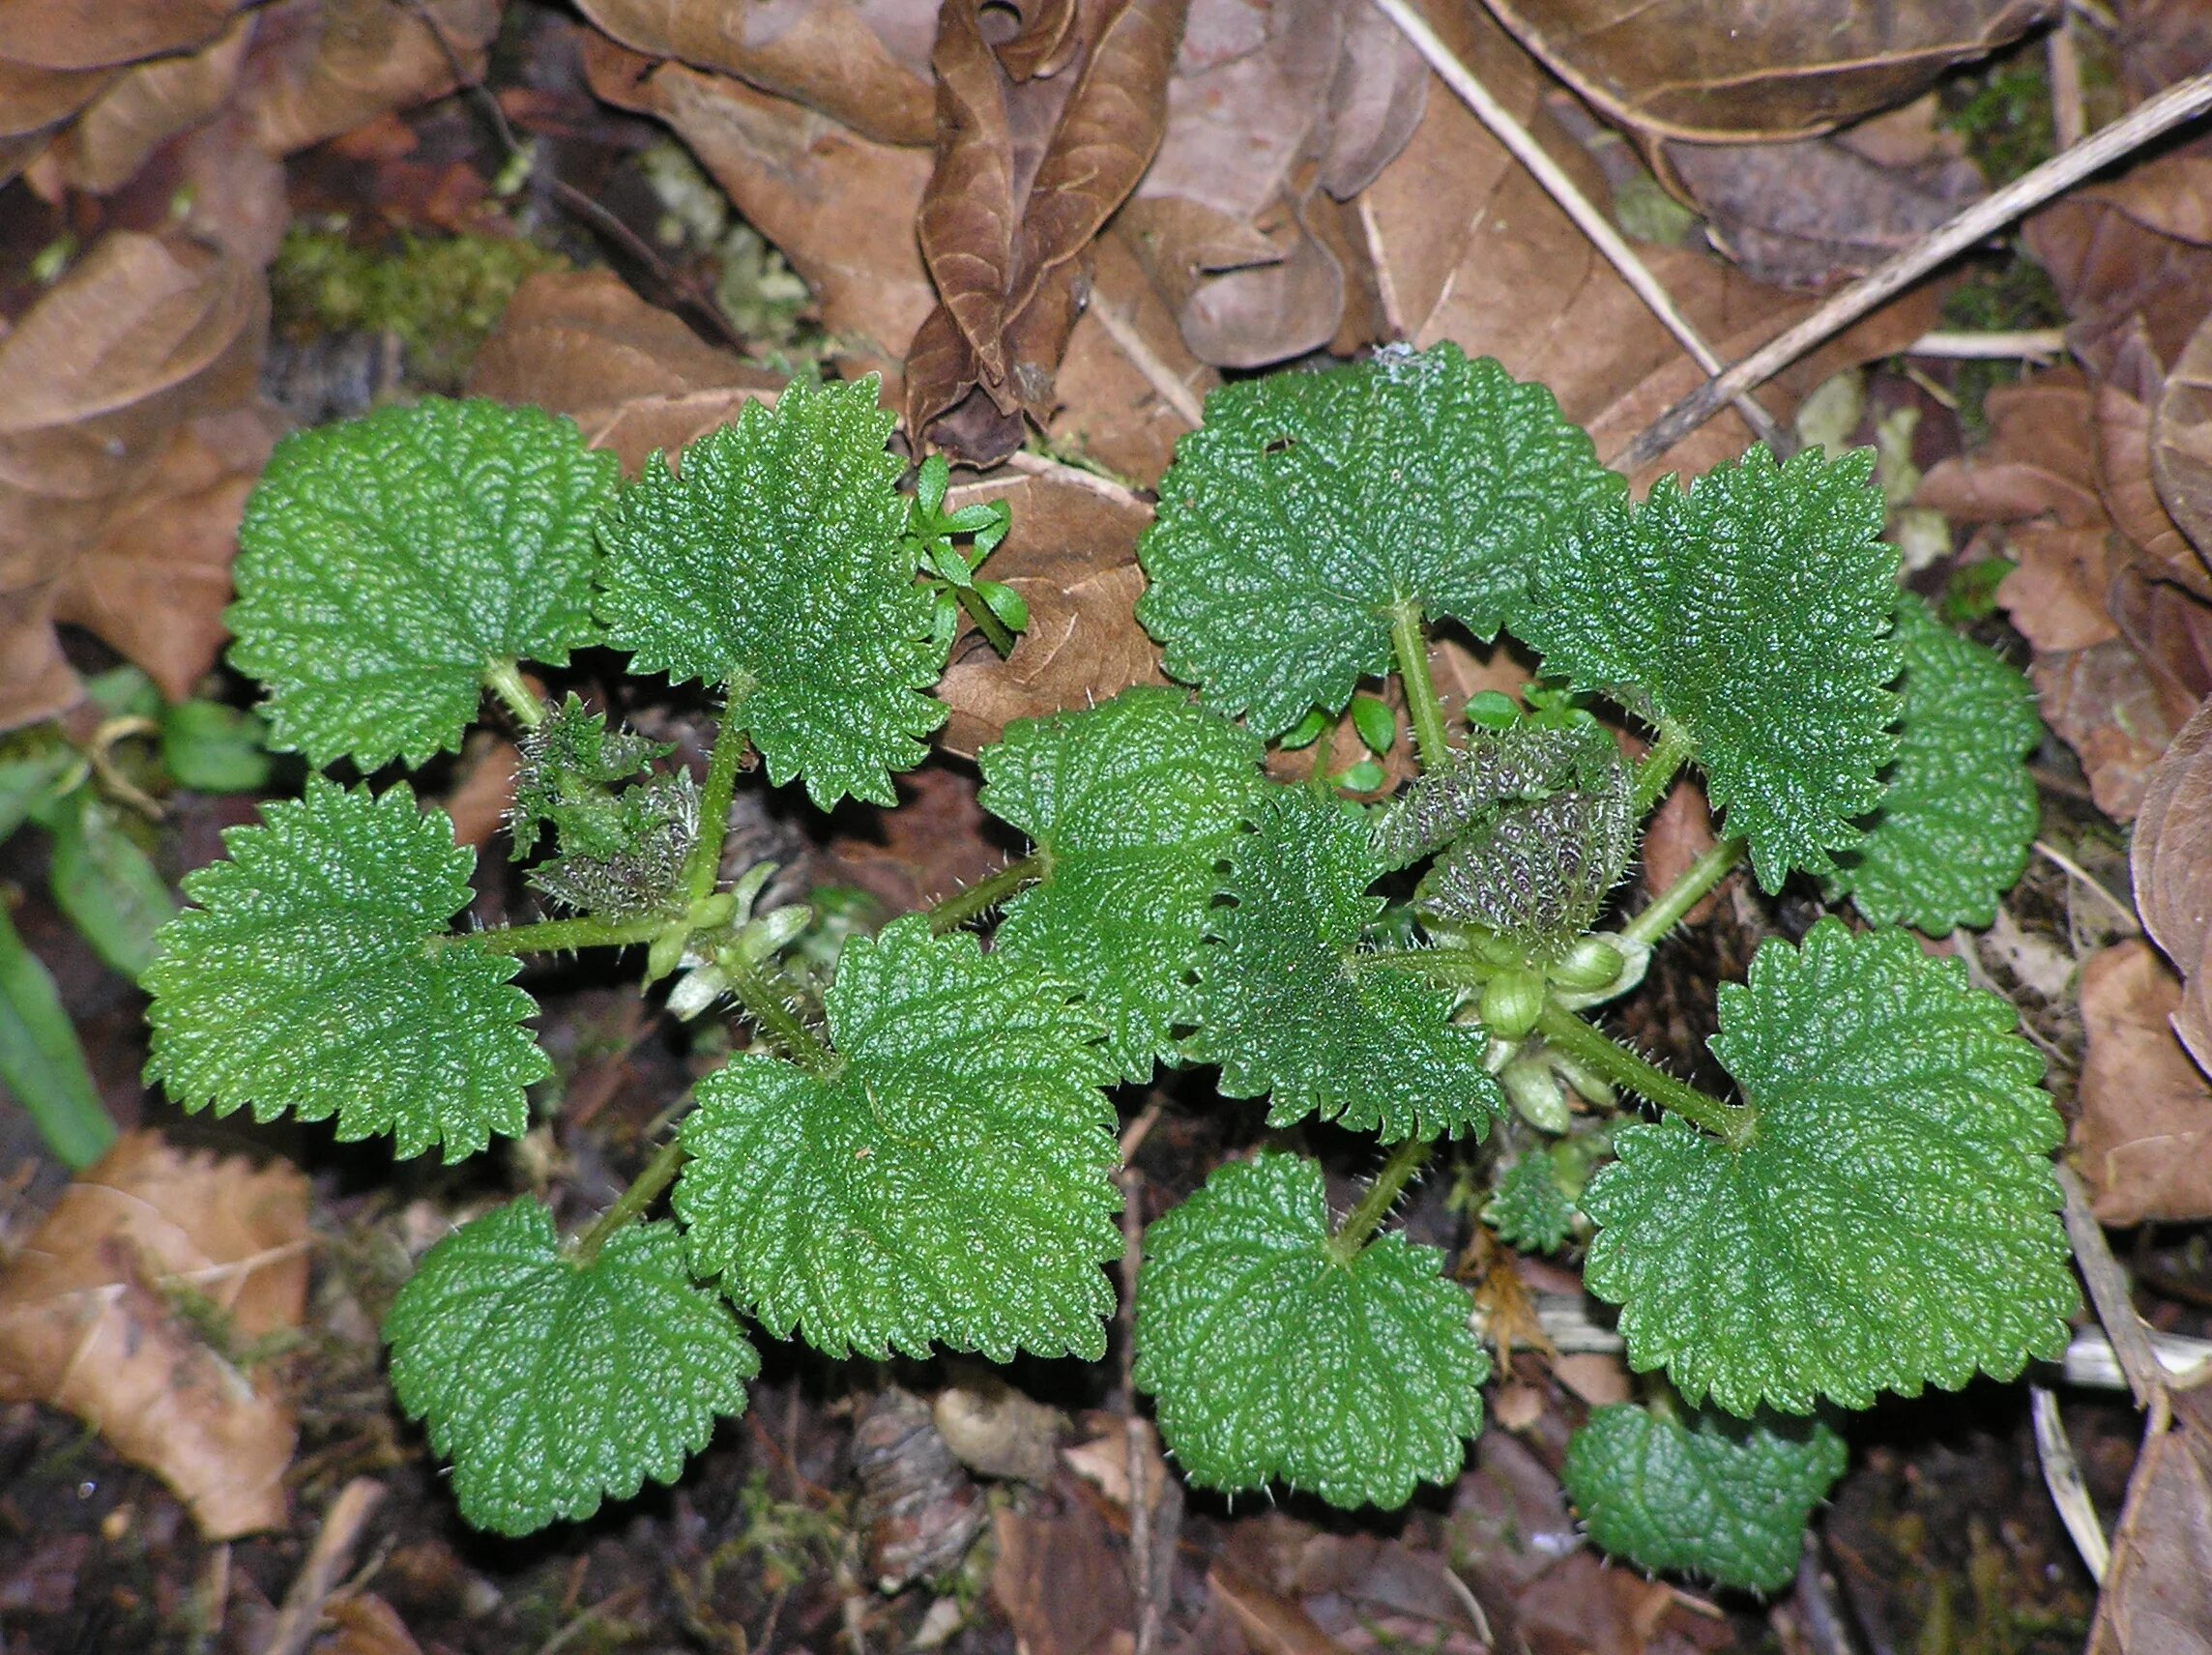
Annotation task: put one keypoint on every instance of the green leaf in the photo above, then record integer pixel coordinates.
(550, 1381)
(562, 770)
(1309, 506)
(1377, 724)
(107, 886)
(1952, 832)
(1271, 1355)
(40, 1061)
(1892, 1219)
(1291, 1007)
(774, 566)
(1529, 1209)
(1748, 615)
(1726, 1498)
(209, 747)
(947, 1178)
(1133, 803)
(26, 784)
(314, 976)
(385, 562)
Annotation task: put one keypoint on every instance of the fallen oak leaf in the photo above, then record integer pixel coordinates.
(94, 1318)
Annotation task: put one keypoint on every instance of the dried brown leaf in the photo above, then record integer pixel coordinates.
(34, 102)
(1272, 1624)
(2127, 401)
(1006, 240)
(2114, 259)
(2144, 1136)
(2158, 1591)
(2100, 703)
(1128, 380)
(823, 53)
(2181, 449)
(1060, 1580)
(361, 1624)
(1072, 556)
(325, 67)
(2040, 459)
(1678, 69)
(96, 382)
(1814, 210)
(97, 33)
(149, 104)
(828, 198)
(2170, 852)
(92, 1320)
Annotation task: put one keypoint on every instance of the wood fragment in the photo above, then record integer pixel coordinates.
(318, 1577)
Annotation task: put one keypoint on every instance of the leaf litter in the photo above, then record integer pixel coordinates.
(1289, 180)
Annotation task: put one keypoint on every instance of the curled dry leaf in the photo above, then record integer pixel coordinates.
(101, 521)
(2144, 1136)
(1778, 71)
(324, 67)
(2172, 858)
(632, 377)
(100, 34)
(2128, 399)
(2158, 1591)
(865, 66)
(107, 1311)
(1029, 167)
(2118, 252)
(2181, 447)
(1466, 247)
(1072, 556)
(1061, 1580)
(820, 192)
(146, 106)
(1275, 114)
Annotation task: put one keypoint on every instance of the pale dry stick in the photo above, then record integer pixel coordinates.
(2024, 342)
(2163, 113)
(1173, 389)
(1579, 207)
(333, 1547)
(2130, 925)
(2062, 1480)
(2069, 126)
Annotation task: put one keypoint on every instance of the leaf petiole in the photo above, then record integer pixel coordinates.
(503, 678)
(1406, 1159)
(706, 859)
(643, 1191)
(772, 1013)
(1659, 766)
(1665, 909)
(1733, 1123)
(556, 936)
(986, 894)
(1409, 643)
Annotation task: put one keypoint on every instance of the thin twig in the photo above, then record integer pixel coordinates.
(1171, 386)
(2130, 925)
(2027, 344)
(2168, 110)
(2062, 1478)
(2069, 126)
(326, 1560)
(2111, 1298)
(1579, 207)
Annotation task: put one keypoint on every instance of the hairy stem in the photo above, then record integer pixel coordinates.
(771, 1013)
(1453, 967)
(1360, 1223)
(503, 678)
(1731, 1122)
(993, 629)
(644, 1190)
(986, 894)
(559, 935)
(1665, 909)
(706, 859)
(1658, 766)
(1409, 643)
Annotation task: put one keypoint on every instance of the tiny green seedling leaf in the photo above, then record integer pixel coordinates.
(1748, 615)
(1529, 1209)
(1132, 804)
(40, 1062)
(1952, 832)
(552, 1382)
(1289, 1006)
(1310, 506)
(1273, 1356)
(773, 564)
(386, 562)
(209, 747)
(1377, 724)
(1891, 1220)
(947, 1178)
(1726, 1498)
(107, 886)
(314, 974)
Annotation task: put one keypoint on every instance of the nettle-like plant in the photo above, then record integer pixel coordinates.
(918, 1151)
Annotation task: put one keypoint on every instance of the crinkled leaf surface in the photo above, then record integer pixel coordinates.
(1523, 763)
(1893, 1219)
(1951, 834)
(947, 1178)
(1310, 504)
(1726, 1498)
(1749, 615)
(314, 974)
(1134, 804)
(772, 564)
(551, 1383)
(1289, 1006)
(562, 776)
(385, 561)
(1529, 1209)
(1269, 1357)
